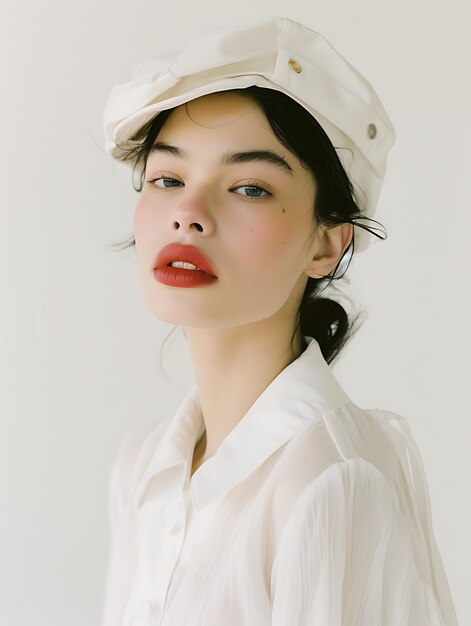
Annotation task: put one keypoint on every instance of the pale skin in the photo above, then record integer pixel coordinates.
(255, 223)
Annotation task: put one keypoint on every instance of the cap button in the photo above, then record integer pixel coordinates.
(294, 65)
(372, 131)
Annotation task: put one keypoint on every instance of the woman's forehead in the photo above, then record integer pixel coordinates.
(219, 110)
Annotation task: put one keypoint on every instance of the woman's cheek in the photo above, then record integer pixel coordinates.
(138, 212)
(143, 218)
(266, 243)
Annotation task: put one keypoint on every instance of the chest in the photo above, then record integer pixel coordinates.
(206, 567)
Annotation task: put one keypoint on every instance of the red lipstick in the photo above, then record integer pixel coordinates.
(182, 277)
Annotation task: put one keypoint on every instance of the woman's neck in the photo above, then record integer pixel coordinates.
(233, 366)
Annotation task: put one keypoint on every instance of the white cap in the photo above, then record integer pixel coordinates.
(277, 53)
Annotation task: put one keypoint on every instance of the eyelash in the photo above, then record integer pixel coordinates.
(251, 184)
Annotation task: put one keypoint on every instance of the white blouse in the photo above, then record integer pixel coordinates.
(313, 512)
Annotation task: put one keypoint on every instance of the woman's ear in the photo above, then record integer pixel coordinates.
(331, 244)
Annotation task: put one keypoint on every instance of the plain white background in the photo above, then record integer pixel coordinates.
(79, 351)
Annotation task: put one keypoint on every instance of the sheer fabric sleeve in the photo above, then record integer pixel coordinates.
(345, 556)
(122, 556)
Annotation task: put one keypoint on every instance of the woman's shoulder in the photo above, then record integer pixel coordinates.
(379, 436)
(349, 432)
(364, 444)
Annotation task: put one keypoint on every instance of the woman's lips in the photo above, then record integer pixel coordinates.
(182, 277)
(189, 254)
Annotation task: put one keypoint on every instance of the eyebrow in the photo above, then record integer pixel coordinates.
(230, 158)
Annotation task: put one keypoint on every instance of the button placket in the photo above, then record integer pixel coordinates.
(160, 531)
(172, 514)
(175, 520)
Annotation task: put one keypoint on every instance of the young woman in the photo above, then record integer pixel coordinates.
(270, 497)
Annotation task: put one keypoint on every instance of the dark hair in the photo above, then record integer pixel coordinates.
(336, 202)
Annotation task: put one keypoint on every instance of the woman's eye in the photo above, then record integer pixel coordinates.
(167, 182)
(253, 191)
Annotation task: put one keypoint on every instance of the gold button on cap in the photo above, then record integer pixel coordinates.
(372, 131)
(294, 65)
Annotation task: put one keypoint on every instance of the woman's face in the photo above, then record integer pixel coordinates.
(252, 218)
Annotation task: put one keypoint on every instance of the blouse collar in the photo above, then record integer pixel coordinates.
(302, 392)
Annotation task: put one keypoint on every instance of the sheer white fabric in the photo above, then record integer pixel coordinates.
(312, 512)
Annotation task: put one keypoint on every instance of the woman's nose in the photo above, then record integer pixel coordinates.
(192, 215)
